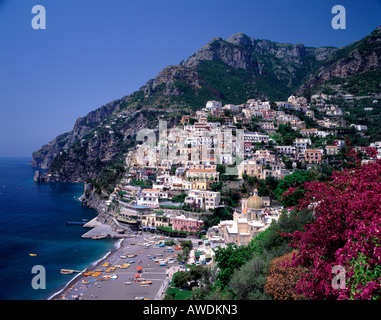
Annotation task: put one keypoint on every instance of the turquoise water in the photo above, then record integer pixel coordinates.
(33, 220)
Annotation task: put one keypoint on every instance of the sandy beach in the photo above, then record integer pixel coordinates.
(114, 277)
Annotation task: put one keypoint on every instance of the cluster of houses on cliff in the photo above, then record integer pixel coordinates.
(171, 181)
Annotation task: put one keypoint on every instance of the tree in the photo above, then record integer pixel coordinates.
(179, 197)
(180, 279)
(296, 181)
(218, 214)
(228, 259)
(249, 281)
(281, 278)
(221, 168)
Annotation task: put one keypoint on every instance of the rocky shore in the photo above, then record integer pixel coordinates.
(104, 225)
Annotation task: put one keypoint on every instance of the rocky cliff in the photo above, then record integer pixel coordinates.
(359, 57)
(44, 157)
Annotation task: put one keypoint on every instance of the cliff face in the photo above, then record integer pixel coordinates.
(44, 157)
(359, 57)
(102, 146)
(262, 58)
(231, 71)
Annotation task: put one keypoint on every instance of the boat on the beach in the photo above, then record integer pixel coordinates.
(127, 282)
(110, 269)
(32, 254)
(147, 282)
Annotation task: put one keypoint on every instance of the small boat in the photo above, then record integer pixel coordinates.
(145, 282)
(127, 282)
(66, 271)
(162, 264)
(32, 254)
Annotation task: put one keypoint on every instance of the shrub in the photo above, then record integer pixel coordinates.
(346, 233)
(282, 278)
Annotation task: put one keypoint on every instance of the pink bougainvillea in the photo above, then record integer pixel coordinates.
(346, 232)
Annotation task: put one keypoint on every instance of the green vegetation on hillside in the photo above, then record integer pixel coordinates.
(359, 85)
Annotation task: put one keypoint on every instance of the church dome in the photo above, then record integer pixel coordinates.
(255, 202)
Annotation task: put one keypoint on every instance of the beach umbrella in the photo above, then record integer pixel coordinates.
(137, 275)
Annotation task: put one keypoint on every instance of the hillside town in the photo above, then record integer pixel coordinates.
(172, 181)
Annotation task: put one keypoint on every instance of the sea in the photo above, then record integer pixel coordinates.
(33, 220)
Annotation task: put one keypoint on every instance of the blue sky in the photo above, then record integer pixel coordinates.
(96, 51)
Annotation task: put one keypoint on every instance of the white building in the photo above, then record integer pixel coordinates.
(203, 199)
(286, 150)
(213, 105)
(255, 137)
(359, 127)
(301, 144)
(149, 197)
(376, 145)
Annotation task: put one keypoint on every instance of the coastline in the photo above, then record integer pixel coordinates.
(91, 267)
(114, 285)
